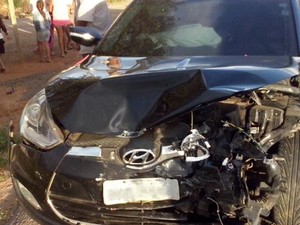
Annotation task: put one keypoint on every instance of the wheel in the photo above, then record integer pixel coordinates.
(287, 210)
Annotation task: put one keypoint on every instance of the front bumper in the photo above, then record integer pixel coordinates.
(69, 190)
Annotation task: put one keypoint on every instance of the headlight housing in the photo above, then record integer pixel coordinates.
(37, 125)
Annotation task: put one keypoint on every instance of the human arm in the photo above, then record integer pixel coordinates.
(47, 20)
(3, 27)
(51, 6)
(36, 22)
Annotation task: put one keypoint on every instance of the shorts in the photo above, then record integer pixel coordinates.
(43, 35)
(58, 23)
(2, 49)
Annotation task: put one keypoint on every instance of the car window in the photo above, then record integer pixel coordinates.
(202, 27)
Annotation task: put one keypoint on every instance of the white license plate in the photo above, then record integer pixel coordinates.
(139, 190)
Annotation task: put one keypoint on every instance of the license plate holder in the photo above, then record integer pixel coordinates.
(139, 190)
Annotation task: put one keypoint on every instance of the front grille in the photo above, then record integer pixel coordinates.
(91, 212)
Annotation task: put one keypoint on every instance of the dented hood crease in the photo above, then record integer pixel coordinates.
(142, 92)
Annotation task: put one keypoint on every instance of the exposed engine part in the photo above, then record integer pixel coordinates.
(218, 209)
(195, 146)
(282, 89)
(217, 153)
(264, 119)
(264, 185)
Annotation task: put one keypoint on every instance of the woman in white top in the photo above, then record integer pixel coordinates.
(60, 11)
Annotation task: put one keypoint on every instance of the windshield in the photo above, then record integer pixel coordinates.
(202, 27)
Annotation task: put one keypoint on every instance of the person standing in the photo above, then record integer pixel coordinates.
(51, 39)
(60, 11)
(42, 24)
(33, 9)
(95, 14)
(2, 48)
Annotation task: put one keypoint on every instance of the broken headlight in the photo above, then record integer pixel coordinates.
(37, 125)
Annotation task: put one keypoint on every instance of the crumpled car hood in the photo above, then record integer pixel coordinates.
(138, 93)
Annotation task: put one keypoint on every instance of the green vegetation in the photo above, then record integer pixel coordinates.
(3, 154)
(5, 215)
(18, 3)
(3, 147)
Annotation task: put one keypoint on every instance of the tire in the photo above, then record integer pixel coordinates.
(287, 210)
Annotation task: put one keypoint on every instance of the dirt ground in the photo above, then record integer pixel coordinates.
(25, 76)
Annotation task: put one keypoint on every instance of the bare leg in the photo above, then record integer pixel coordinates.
(51, 39)
(65, 30)
(46, 51)
(60, 36)
(2, 69)
(69, 41)
(41, 48)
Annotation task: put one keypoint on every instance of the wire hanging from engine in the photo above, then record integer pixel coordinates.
(218, 209)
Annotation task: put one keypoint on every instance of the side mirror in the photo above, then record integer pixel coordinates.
(86, 36)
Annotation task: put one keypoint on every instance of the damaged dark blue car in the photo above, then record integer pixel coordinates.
(187, 112)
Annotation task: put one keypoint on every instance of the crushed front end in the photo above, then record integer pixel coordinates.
(203, 162)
